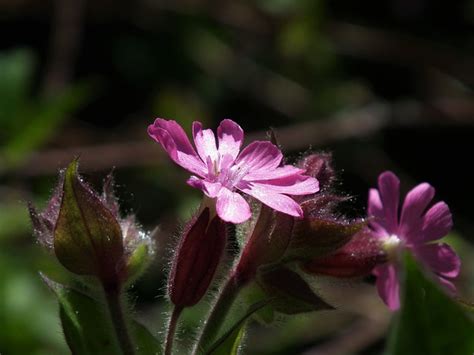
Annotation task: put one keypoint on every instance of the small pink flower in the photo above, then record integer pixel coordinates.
(414, 229)
(222, 169)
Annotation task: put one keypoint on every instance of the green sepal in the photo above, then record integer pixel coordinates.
(87, 237)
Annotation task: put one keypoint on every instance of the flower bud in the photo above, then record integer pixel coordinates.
(319, 166)
(87, 237)
(199, 252)
(357, 258)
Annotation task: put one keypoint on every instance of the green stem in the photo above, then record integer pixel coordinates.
(172, 329)
(218, 313)
(114, 303)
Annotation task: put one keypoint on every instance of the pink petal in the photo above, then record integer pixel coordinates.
(388, 285)
(211, 189)
(231, 207)
(205, 142)
(259, 156)
(389, 189)
(175, 142)
(280, 172)
(377, 215)
(440, 258)
(291, 185)
(414, 206)
(278, 202)
(447, 285)
(230, 136)
(437, 222)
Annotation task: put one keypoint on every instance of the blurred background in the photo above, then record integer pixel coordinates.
(380, 84)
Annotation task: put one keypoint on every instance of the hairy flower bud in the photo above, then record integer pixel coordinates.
(199, 252)
(318, 165)
(355, 259)
(87, 236)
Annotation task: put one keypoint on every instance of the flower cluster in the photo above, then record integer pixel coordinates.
(289, 232)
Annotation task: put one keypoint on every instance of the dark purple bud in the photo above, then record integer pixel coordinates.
(355, 259)
(319, 165)
(195, 263)
(315, 237)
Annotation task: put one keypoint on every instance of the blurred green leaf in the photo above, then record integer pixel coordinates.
(429, 322)
(16, 69)
(41, 120)
(13, 220)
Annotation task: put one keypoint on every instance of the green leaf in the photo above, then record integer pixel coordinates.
(290, 293)
(429, 322)
(229, 342)
(87, 237)
(253, 293)
(88, 329)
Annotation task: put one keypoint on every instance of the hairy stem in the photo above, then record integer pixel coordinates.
(218, 313)
(172, 329)
(115, 305)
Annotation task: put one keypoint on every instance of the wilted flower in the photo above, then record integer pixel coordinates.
(414, 229)
(87, 234)
(222, 169)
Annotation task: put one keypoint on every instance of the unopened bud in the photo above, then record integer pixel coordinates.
(319, 166)
(357, 258)
(87, 236)
(197, 258)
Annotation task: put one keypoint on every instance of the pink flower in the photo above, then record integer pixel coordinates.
(415, 229)
(222, 169)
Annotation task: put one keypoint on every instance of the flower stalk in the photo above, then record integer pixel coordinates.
(219, 311)
(117, 315)
(172, 329)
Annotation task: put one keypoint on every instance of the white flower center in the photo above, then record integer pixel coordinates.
(392, 245)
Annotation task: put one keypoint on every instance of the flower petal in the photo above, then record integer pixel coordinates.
(440, 258)
(447, 285)
(388, 285)
(205, 142)
(389, 190)
(173, 139)
(377, 214)
(415, 204)
(437, 222)
(269, 197)
(291, 185)
(230, 136)
(231, 207)
(280, 172)
(211, 189)
(259, 156)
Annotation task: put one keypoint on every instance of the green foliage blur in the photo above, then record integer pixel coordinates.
(381, 85)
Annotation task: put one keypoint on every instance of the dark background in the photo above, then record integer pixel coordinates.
(380, 84)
